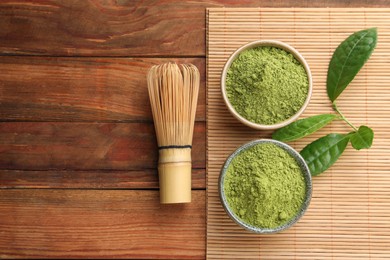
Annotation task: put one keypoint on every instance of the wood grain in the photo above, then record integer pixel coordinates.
(120, 28)
(100, 224)
(83, 170)
(86, 146)
(102, 179)
(87, 89)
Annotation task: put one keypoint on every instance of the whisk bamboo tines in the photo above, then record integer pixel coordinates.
(173, 92)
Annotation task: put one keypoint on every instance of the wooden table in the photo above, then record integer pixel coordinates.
(78, 151)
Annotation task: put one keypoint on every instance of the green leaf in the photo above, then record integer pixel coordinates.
(324, 152)
(348, 59)
(302, 127)
(362, 138)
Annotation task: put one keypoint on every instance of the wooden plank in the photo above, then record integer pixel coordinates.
(86, 146)
(120, 28)
(75, 89)
(38, 223)
(51, 179)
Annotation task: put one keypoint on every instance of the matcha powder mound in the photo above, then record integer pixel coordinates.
(264, 186)
(266, 85)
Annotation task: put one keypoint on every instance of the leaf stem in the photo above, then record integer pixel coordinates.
(342, 116)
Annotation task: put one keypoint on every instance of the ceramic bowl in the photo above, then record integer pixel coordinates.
(306, 174)
(269, 43)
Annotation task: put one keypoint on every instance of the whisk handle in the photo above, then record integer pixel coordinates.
(174, 170)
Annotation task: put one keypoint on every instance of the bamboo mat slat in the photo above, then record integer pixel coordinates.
(349, 215)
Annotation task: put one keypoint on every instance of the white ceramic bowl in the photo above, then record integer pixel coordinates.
(269, 43)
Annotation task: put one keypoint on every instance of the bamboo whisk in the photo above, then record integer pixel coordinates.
(173, 92)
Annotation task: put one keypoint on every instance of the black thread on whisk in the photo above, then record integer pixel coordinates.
(174, 147)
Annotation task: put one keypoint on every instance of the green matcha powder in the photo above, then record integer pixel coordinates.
(264, 186)
(266, 85)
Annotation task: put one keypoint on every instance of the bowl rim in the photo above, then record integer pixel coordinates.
(271, 43)
(306, 174)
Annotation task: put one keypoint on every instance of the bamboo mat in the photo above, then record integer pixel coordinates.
(349, 215)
